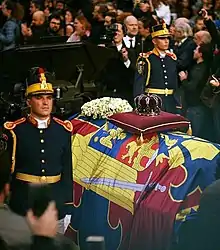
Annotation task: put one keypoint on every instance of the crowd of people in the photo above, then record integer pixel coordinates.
(193, 38)
(170, 48)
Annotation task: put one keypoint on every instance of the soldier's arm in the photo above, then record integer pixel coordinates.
(141, 78)
(8, 144)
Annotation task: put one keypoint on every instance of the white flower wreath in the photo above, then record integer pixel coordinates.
(103, 107)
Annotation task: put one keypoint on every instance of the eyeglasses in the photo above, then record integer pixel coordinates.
(55, 23)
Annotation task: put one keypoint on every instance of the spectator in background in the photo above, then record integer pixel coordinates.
(117, 76)
(37, 30)
(48, 3)
(10, 33)
(217, 9)
(54, 25)
(144, 32)
(68, 17)
(130, 38)
(82, 29)
(69, 30)
(199, 24)
(144, 9)
(184, 46)
(34, 6)
(202, 36)
(98, 21)
(111, 7)
(60, 5)
(193, 84)
(110, 18)
(181, 20)
(163, 10)
(47, 12)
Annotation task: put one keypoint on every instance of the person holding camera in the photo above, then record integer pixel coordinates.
(119, 72)
(40, 148)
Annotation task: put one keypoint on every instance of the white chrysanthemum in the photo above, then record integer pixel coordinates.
(104, 107)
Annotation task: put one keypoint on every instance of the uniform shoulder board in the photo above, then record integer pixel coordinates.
(66, 124)
(171, 54)
(145, 55)
(141, 61)
(12, 125)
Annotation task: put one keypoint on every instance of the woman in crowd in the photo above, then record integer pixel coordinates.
(68, 17)
(82, 29)
(10, 33)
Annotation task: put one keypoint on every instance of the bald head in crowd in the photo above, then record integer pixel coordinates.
(202, 36)
(38, 18)
(131, 24)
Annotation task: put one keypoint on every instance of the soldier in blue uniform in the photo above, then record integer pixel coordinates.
(40, 146)
(157, 70)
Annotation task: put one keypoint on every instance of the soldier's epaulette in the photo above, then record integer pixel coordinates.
(172, 55)
(12, 125)
(145, 55)
(66, 124)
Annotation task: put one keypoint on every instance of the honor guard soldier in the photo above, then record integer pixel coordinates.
(157, 70)
(40, 148)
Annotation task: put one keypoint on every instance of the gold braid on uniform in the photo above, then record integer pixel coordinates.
(66, 124)
(142, 59)
(10, 126)
(13, 150)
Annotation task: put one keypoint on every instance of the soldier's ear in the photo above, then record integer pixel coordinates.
(154, 41)
(28, 102)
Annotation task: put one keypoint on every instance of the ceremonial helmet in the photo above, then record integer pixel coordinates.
(39, 82)
(160, 30)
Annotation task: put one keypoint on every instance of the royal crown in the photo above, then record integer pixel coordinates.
(149, 104)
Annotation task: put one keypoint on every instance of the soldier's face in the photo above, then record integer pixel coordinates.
(162, 43)
(41, 105)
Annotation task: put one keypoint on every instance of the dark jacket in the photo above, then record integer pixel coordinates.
(184, 54)
(9, 35)
(37, 33)
(195, 83)
(41, 153)
(117, 78)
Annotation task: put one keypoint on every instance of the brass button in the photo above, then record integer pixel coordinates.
(43, 170)
(41, 131)
(42, 141)
(42, 150)
(43, 178)
(43, 161)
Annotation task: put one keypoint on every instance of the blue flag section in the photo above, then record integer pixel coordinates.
(136, 195)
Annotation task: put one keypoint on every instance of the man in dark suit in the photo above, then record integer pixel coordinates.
(40, 147)
(184, 47)
(157, 70)
(131, 40)
(119, 72)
